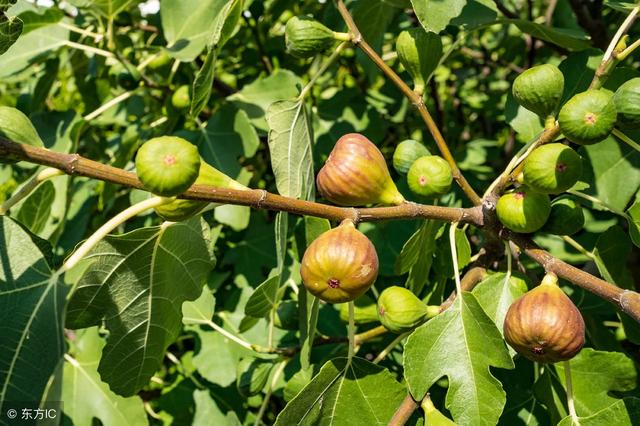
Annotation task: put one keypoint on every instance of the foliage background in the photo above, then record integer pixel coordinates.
(59, 84)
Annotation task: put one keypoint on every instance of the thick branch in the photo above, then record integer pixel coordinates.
(404, 411)
(74, 164)
(416, 101)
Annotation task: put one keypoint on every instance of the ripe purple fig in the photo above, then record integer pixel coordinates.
(340, 264)
(356, 174)
(544, 325)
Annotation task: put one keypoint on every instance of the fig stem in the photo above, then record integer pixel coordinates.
(305, 90)
(569, 387)
(274, 381)
(105, 229)
(382, 355)
(29, 187)
(352, 332)
(454, 255)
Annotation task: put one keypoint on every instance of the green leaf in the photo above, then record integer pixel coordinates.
(106, 8)
(624, 412)
(634, 220)
(525, 123)
(563, 37)
(595, 375)
(137, 283)
(32, 20)
(416, 256)
(256, 97)
(476, 13)
(461, 343)
(435, 15)
(611, 253)
(203, 83)
(32, 301)
(621, 5)
(264, 298)
(10, 30)
(496, 293)
(28, 49)
(189, 25)
(578, 69)
(199, 311)
(36, 209)
(208, 411)
(98, 401)
(17, 127)
(345, 394)
(612, 163)
(291, 147)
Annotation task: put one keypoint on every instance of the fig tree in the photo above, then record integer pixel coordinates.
(406, 153)
(552, 168)
(523, 210)
(399, 310)
(539, 89)
(430, 176)
(588, 117)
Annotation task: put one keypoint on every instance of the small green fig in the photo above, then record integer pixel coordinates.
(406, 153)
(286, 317)
(433, 416)
(306, 37)
(419, 52)
(181, 99)
(566, 217)
(430, 176)
(364, 312)
(167, 165)
(627, 102)
(544, 325)
(159, 61)
(588, 117)
(339, 265)
(180, 210)
(539, 89)
(252, 375)
(523, 210)
(552, 168)
(399, 310)
(356, 174)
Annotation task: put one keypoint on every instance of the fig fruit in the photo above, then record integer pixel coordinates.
(566, 217)
(159, 60)
(523, 210)
(419, 52)
(306, 37)
(429, 176)
(552, 168)
(180, 210)
(365, 310)
(339, 265)
(588, 117)
(287, 315)
(252, 375)
(356, 174)
(406, 153)
(399, 310)
(167, 165)
(544, 325)
(627, 102)
(181, 99)
(539, 89)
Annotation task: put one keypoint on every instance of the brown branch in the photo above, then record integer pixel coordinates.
(416, 101)
(404, 411)
(74, 164)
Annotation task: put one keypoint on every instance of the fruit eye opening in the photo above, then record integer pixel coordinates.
(333, 282)
(561, 167)
(590, 118)
(169, 159)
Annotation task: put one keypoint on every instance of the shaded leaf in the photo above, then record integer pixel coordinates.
(263, 299)
(435, 15)
(563, 37)
(624, 412)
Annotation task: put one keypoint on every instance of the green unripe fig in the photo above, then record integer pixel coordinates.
(180, 210)
(627, 102)
(406, 153)
(160, 60)
(252, 375)
(429, 176)
(552, 168)
(181, 99)
(566, 217)
(588, 117)
(356, 174)
(544, 325)
(433, 416)
(286, 317)
(399, 310)
(339, 265)
(364, 312)
(419, 52)
(539, 89)
(523, 210)
(167, 165)
(306, 37)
